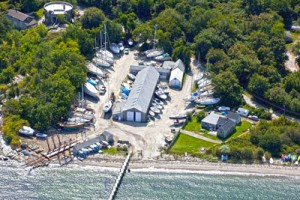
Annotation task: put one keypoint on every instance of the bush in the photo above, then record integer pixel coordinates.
(259, 153)
(189, 116)
(200, 115)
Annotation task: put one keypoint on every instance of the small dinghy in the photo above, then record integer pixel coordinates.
(41, 135)
(151, 113)
(26, 131)
(131, 77)
(154, 109)
(130, 42)
(160, 94)
(107, 106)
(121, 46)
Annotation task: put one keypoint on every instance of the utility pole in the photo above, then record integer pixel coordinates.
(155, 27)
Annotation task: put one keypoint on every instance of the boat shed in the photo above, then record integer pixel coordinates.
(117, 112)
(139, 100)
(176, 77)
(164, 74)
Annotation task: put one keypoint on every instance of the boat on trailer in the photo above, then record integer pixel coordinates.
(154, 109)
(178, 117)
(26, 131)
(90, 90)
(160, 94)
(208, 101)
(71, 125)
(114, 48)
(95, 70)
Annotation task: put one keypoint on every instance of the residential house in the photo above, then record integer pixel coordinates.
(20, 20)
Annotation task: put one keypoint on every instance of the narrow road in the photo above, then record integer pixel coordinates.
(275, 115)
(201, 137)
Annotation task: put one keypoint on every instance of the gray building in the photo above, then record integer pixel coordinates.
(139, 100)
(164, 74)
(93, 145)
(223, 125)
(226, 129)
(236, 118)
(55, 8)
(20, 20)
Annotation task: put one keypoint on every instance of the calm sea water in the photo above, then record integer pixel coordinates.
(96, 183)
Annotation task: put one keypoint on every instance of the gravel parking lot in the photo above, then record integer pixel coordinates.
(144, 137)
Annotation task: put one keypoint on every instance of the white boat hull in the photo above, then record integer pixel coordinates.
(114, 48)
(207, 102)
(106, 53)
(90, 90)
(107, 106)
(100, 62)
(154, 53)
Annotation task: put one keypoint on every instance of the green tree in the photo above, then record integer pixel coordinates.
(258, 84)
(92, 18)
(200, 115)
(142, 32)
(226, 87)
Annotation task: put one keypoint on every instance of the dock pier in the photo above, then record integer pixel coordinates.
(120, 176)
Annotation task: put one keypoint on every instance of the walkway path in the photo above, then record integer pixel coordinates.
(201, 137)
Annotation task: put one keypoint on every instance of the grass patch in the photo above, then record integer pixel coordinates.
(244, 126)
(112, 151)
(186, 143)
(39, 14)
(205, 134)
(193, 125)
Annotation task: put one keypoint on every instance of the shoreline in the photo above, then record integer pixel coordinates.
(173, 166)
(202, 167)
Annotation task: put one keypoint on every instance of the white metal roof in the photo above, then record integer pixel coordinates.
(176, 74)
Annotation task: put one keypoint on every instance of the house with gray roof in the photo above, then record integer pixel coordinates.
(20, 20)
(236, 118)
(139, 100)
(223, 125)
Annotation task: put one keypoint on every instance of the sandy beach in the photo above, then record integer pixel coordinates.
(193, 167)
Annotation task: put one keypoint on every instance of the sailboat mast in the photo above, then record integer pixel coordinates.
(155, 27)
(105, 36)
(100, 39)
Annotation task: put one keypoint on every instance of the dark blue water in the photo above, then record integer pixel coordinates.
(96, 183)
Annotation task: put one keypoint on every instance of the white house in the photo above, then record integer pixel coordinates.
(176, 76)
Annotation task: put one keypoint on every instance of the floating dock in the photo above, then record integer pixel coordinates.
(119, 179)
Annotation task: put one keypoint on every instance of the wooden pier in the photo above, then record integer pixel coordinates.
(120, 176)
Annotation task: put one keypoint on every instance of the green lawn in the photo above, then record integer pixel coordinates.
(193, 125)
(186, 143)
(205, 134)
(244, 126)
(112, 151)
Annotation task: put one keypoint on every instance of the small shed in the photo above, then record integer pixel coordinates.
(176, 77)
(108, 137)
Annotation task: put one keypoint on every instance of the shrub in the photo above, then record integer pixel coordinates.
(200, 115)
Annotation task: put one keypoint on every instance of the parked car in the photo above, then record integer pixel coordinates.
(126, 51)
(253, 117)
